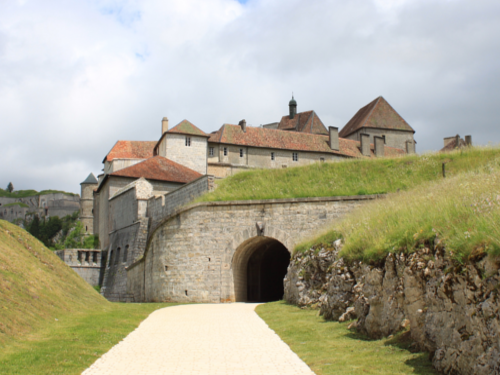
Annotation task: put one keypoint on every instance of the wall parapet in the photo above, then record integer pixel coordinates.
(163, 206)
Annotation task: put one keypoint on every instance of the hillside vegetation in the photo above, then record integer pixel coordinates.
(460, 213)
(30, 193)
(352, 177)
(35, 285)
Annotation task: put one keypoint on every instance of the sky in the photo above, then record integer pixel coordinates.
(76, 76)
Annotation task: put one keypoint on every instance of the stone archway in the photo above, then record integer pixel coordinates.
(259, 266)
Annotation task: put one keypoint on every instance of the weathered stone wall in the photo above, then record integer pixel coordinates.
(87, 207)
(189, 257)
(193, 156)
(85, 262)
(254, 157)
(451, 310)
(393, 138)
(57, 204)
(161, 207)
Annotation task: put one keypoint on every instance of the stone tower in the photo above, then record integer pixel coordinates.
(87, 203)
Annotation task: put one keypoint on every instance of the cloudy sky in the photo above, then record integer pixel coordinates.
(76, 76)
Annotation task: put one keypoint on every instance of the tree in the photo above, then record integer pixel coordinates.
(35, 227)
(10, 187)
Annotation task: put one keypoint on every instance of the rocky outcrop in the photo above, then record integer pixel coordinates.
(451, 309)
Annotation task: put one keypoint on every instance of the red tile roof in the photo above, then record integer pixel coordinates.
(304, 122)
(377, 114)
(160, 169)
(289, 140)
(186, 127)
(131, 150)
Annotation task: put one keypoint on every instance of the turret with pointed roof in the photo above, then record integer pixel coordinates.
(87, 203)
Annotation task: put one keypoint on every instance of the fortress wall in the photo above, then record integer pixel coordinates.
(393, 138)
(85, 262)
(189, 257)
(163, 206)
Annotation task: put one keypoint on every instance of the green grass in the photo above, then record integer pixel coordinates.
(462, 212)
(20, 204)
(330, 348)
(75, 341)
(30, 193)
(351, 177)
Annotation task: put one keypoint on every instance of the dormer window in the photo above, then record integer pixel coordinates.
(188, 141)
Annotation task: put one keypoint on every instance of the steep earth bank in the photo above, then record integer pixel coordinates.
(450, 309)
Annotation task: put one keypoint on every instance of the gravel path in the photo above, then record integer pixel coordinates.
(203, 340)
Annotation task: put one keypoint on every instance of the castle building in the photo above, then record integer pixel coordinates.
(145, 181)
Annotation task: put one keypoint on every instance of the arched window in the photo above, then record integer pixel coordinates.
(117, 256)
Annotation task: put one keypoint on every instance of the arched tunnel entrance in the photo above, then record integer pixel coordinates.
(259, 267)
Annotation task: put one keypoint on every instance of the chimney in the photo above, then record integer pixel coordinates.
(365, 144)
(334, 138)
(243, 124)
(410, 147)
(457, 141)
(468, 140)
(164, 125)
(379, 146)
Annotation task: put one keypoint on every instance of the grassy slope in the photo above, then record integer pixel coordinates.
(462, 212)
(330, 348)
(35, 285)
(51, 320)
(29, 193)
(352, 177)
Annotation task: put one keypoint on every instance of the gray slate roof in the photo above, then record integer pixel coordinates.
(90, 179)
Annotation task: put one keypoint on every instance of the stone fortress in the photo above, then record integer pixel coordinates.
(158, 246)
(44, 205)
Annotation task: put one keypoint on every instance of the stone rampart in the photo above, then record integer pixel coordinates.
(161, 207)
(190, 255)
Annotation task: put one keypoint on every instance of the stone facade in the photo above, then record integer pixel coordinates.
(85, 262)
(188, 150)
(235, 158)
(200, 253)
(393, 138)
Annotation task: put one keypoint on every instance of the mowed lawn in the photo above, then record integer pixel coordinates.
(330, 348)
(73, 342)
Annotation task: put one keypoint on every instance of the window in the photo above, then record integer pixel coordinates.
(384, 139)
(110, 263)
(125, 254)
(210, 151)
(94, 257)
(225, 151)
(272, 155)
(295, 156)
(241, 152)
(188, 141)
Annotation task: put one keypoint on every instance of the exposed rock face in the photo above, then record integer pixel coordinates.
(451, 310)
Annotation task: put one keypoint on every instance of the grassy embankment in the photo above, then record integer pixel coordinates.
(462, 212)
(51, 321)
(30, 193)
(330, 348)
(352, 177)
